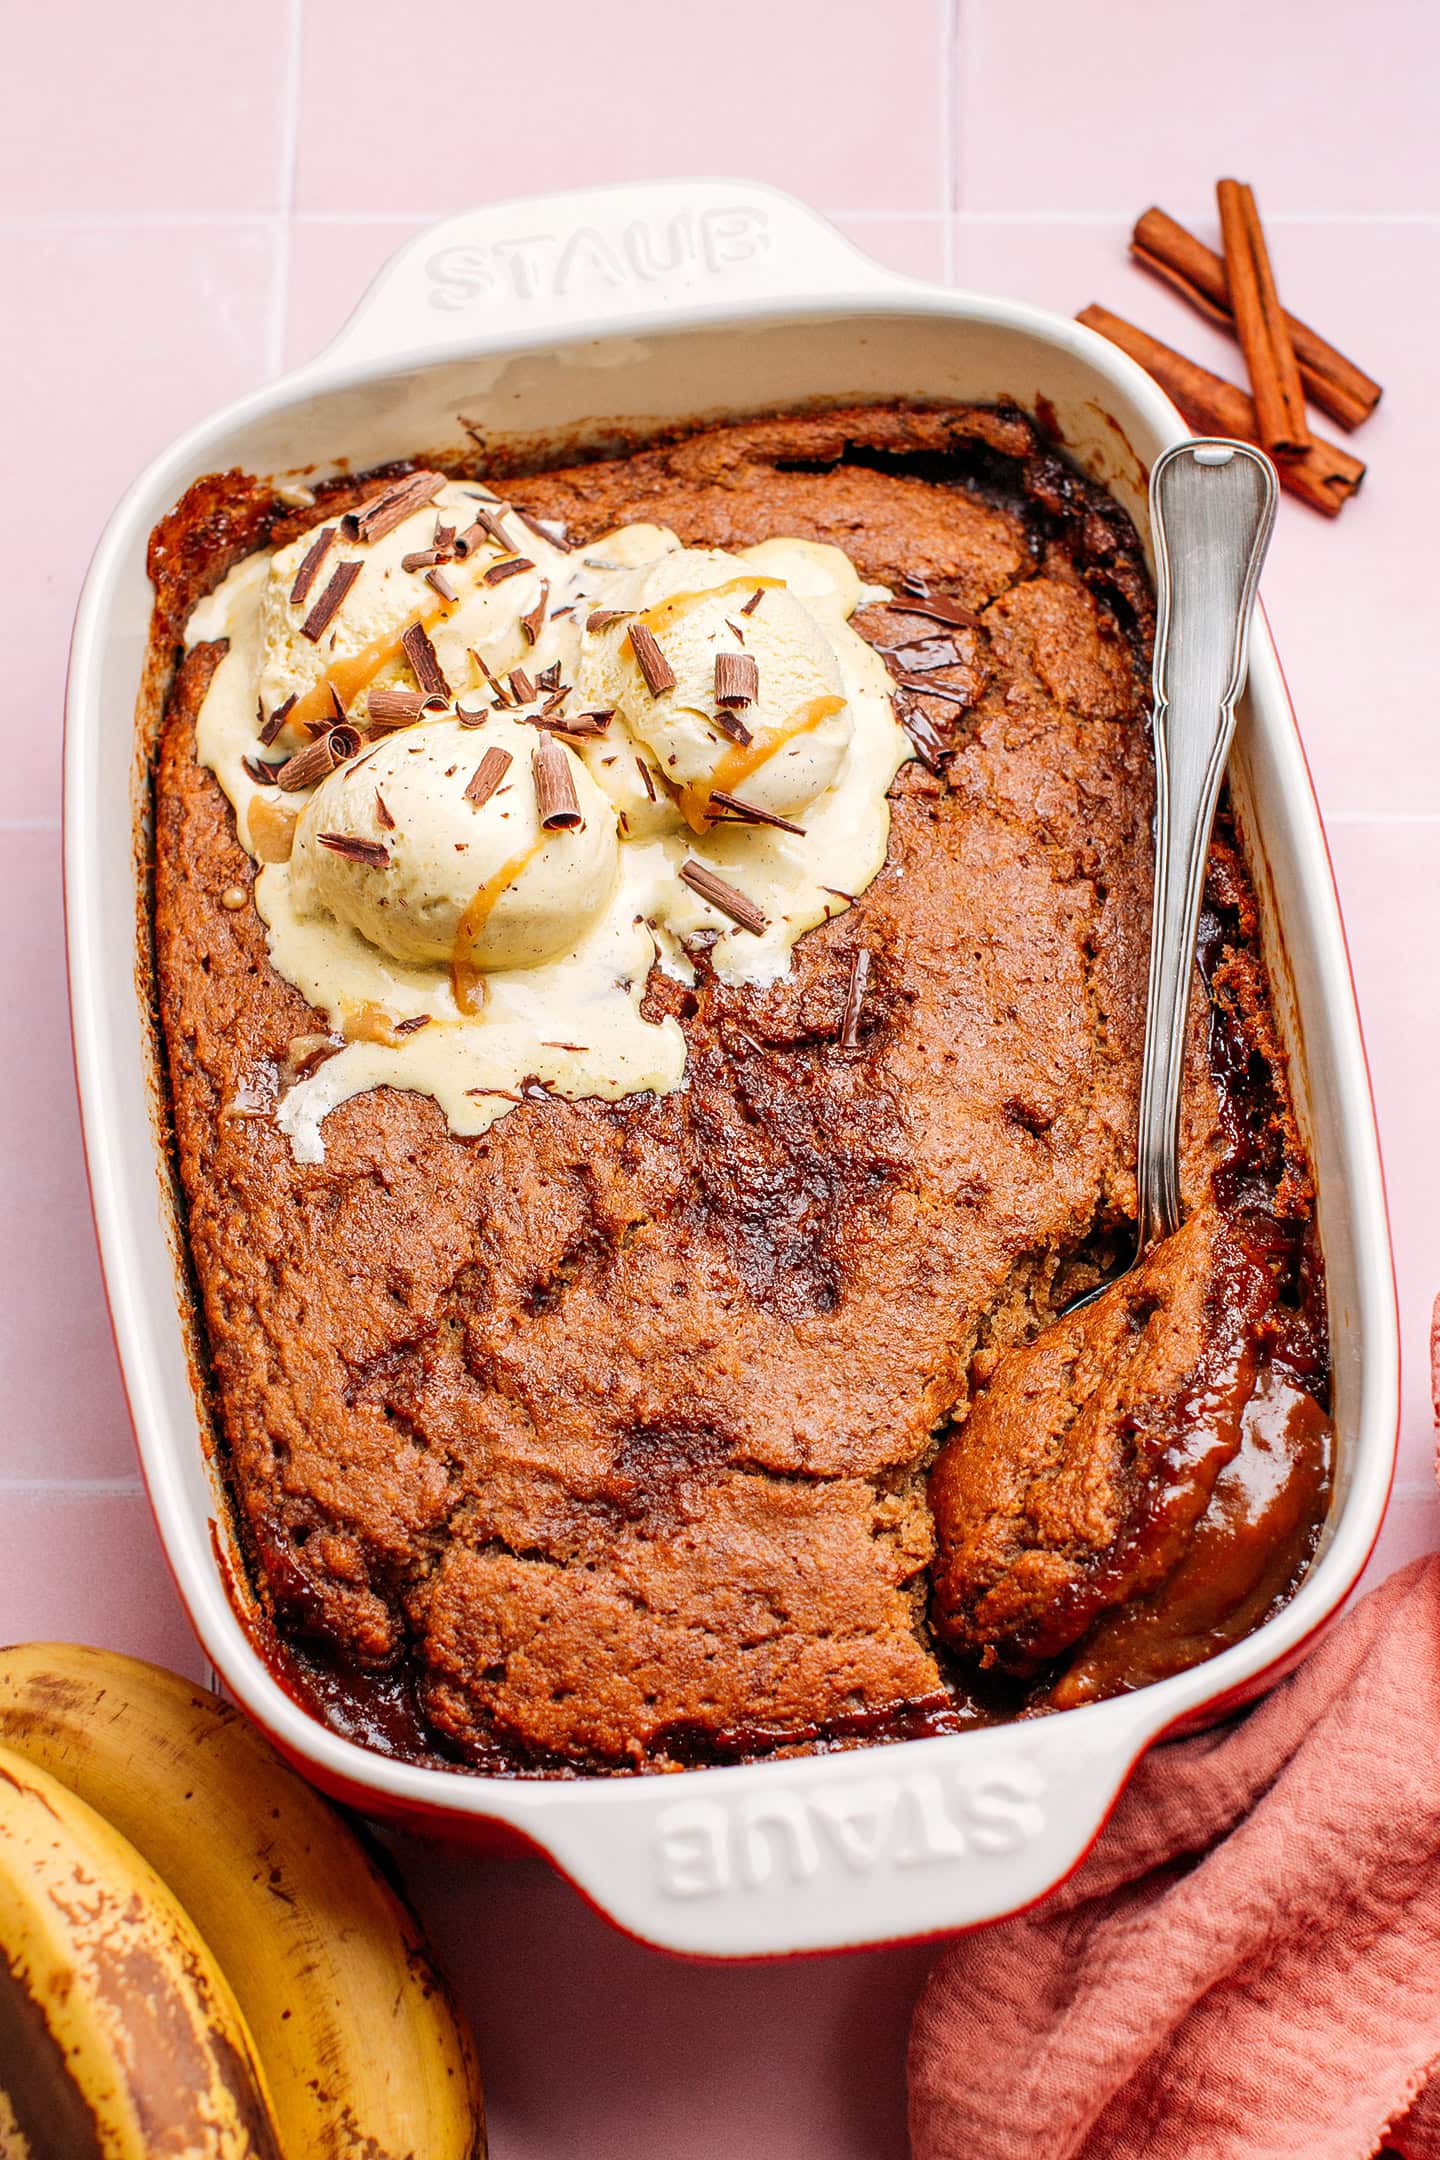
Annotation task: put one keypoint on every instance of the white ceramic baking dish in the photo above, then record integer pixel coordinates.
(550, 319)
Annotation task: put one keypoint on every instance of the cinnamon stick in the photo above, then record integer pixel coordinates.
(1326, 477)
(1161, 245)
(1260, 323)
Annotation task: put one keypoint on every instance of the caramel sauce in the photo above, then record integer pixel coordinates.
(680, 604)
(350, 676)
(737, 764)
(1244, 1557)
(466, 979)
(272, 828)
(370, 1023)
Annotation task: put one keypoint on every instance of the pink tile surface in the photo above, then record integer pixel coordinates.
(801, 2059)
(64, 1408)
(1073, 108)
(131, 333)
(1388, 877)
(143, 109)
(83, 1564)
(186, 208)
(815, 95)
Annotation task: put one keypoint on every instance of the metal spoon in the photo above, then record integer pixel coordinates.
(1212, 507)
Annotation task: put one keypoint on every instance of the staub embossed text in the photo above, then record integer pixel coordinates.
(704, 1849)
(596, 259)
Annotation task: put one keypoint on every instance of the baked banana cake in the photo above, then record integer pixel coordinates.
(651, 962)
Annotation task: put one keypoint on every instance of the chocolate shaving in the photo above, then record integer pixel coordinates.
(422, 559)
(521, 686)
(854, 998)
(318, 549)
(732, 726)
(922, 659)
(702, 880)
(555, 796)
(318, 758)
(552, 529)
(656, 669)
(734, 629)
(328, 605)
(339, 716)
(836, 894)
(444, 540)
(743, 813)
(580, 1049)
(262, 774)
(923, 688)
(911, 582)
(382, 812)
(383, 512)
(737, 678)
(505, 1094)
(937, 609)
(533, 623)
(411, 1026)
(394, 708)
(424, 662)
(645, 776)
(276, 721)
(498, 572)
(471, 716)
(549, 677)
(603, 617)
(585, 727)
(929, 744)
(501, 693)
(488, 775)
(487, 526)
(441, 584)
(754, 601)
(373, 853)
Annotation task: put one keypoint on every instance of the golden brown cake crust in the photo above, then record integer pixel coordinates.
(612, 1426)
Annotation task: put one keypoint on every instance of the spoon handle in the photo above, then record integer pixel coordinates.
(1212, 506)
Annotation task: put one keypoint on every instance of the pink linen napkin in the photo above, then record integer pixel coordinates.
(1247, 1966)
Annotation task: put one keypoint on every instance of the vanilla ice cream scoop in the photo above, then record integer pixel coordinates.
(385, 585)
(431, 846)
(752, 703)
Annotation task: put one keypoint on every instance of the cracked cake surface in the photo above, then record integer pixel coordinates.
(633, 1433)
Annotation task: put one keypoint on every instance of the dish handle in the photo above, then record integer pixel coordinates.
(891, 1843)
(512, 271)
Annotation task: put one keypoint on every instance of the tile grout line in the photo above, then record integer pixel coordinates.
(962, 38)
(948, 27)
(418, 214)
(94, 1488)
(1352, 818)
(280, 304)
(239, 220)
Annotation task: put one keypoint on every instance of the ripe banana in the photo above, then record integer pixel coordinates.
(119, 2037)
(365, 2053)
(14, 2145)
